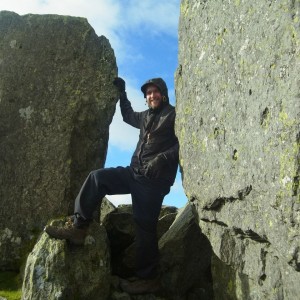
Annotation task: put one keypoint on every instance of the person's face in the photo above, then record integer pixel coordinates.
(153, 96)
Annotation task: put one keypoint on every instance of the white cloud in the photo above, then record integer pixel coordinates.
(103, 15)
(111, 18)
(159, 16)
(105, 10)
(119, 199)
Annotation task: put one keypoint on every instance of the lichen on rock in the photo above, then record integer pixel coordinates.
(57, 100)
(238, 124)
(58, 270)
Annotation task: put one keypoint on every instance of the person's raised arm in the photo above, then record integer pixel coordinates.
(129, 115)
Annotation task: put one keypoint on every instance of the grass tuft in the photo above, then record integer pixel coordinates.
(10, 285)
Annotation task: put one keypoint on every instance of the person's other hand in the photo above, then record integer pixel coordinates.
(120, 84)
(154, 166)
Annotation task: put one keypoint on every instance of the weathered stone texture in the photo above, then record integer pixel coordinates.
(56, 103)
(185, 258)
(58, 270)
(238, 112)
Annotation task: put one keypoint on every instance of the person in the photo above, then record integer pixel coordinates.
(148, 179)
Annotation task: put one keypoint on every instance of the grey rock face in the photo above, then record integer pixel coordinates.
(185, 258)
(106, 208)
(57, 270)
(238, 112)
(56, 103)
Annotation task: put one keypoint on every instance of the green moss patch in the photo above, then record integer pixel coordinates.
(10, 285)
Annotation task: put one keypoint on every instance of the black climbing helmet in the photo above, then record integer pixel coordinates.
(160, 83)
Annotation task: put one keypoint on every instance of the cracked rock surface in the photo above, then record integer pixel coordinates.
(238, 109)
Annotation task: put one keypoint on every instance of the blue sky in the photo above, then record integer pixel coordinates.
(143, 34)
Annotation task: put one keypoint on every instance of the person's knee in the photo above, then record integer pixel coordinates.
(96, 175)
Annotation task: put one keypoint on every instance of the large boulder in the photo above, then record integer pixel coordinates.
(58, 270)
(238, 109)
(186, 258)
(56, 103)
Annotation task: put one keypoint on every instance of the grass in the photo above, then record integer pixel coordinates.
(10, 285)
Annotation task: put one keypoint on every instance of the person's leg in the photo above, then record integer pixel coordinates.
(107, 181)
(97, 185)
(147, 254)
(147, 198)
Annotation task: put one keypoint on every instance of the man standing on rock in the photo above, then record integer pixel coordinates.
(148, 179)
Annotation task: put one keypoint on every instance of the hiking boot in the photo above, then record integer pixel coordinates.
(141, 286)
(69, 232)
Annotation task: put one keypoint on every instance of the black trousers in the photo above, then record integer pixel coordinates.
(147, 197)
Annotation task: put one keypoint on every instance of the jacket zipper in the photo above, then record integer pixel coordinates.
(145, 142)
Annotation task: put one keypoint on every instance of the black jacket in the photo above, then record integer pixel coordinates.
(157, 137)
